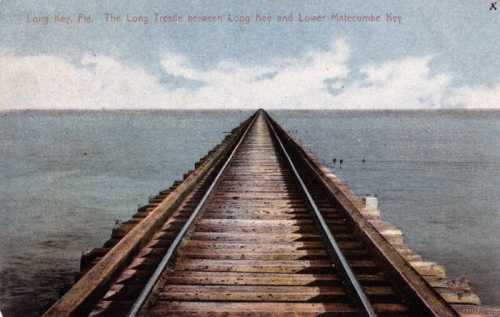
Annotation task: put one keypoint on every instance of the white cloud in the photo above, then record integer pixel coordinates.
(403, 84)
(476, 97)
(41, 82)
(283, 83)
(318, 79)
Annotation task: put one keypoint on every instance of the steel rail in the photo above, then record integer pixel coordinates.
(339, 257)
(139, 302)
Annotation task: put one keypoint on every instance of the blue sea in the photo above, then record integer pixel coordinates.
(67, 176)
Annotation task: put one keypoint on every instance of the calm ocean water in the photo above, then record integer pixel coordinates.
(67, 176)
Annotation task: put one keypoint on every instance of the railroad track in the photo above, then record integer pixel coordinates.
(259, 234)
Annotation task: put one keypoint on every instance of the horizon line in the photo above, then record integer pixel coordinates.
(240, 109)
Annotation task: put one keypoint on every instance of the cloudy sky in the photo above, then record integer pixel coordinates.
(440, 54)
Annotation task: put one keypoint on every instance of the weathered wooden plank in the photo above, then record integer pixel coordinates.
(253, 237)
(477, 311)
(254, 255)
(459, 297)
(266, 309)
(237, 278)
(263, 293)
(261, 247)
(282, 266)
(267, 228)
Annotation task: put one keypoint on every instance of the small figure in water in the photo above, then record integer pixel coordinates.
(340, 163)
(363, 160)
(334, 161)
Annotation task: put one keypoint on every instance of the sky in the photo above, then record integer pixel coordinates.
(426, 55)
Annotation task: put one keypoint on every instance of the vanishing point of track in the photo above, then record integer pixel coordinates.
(261, 235)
